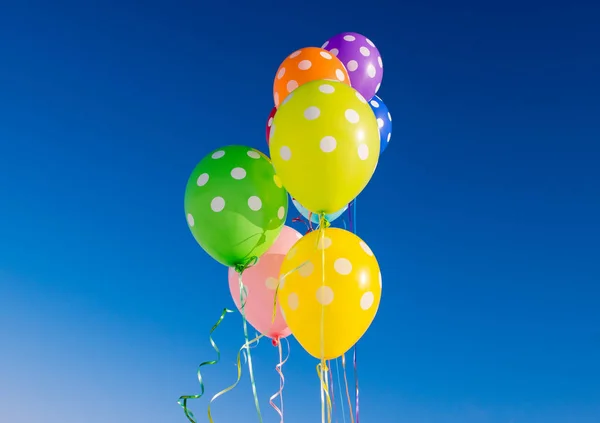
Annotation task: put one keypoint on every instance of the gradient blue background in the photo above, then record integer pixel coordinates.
(490, 254)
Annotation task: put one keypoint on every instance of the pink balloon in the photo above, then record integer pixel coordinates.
(261, 281)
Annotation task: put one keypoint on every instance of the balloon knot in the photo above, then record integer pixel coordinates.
(323, 222)
(275, 341)
(241, 267)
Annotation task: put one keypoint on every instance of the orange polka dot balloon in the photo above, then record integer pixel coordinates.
(329, 279)
(305, 65)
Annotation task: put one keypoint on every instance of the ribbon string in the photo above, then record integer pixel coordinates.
(278, 369)
(356, 391)
(184, 398)
(325, 398)
(331, 391)
(246, 347)
(339, 379)
(347, 390)
(243, 298)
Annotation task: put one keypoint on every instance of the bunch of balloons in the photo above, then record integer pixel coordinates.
(325, 136)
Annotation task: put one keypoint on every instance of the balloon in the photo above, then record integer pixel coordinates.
(362, 60)
(348, 294)
(325, 136)
(384, 121)
(270, 122)
(315, 217)
(235, 204)
(305, 65)
(260, 281)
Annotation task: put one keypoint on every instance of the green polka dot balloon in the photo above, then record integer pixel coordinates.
(235, 204)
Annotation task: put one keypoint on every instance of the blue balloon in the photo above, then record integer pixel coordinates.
(384, 121)
(315, 217)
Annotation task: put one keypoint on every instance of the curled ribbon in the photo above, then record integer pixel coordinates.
(184, 398)
(246, 347)
(243, 296)
(322, 371)
(278, 369)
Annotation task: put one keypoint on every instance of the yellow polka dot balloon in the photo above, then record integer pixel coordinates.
(324, 144)
(340, 294)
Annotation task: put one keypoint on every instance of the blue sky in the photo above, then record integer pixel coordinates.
(483, 211)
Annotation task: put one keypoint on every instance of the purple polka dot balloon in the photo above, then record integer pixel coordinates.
(362, 61)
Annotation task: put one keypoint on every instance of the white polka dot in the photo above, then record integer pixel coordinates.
(276, 98)
(328, 144)
(352, 116)
(380, 62)
(340, 75)
(295, 54)
(270, 122)
(325, 45)
(366, 248)
(352, 65)
(254, 154)
(292, 85)
(202, 180)
(380, 281)
(324, 243)
(360, 97)
(238, 173)
(190, 219)
(306, 269)
(342, 266)
(326, 89)
(293, 302)
(365, 51)
(334, 51)
(218, 154)
(367, 300)
(363, 151)
(370, 42)
(389, 137)
(378, 87)
(271, 283)
(325, 295)
(280, 73)
(271, 133)
(347, 38)
(326, 55)
(374, 103)
(304, 64)
(254, 203)
(390, 116)
(380, 123)
(217, 204)
(285, 153)
(281, 212)
(371, 71)
(312, 113)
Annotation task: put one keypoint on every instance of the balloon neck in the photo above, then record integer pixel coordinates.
(275, 341)
(323, 222)
(240, 267)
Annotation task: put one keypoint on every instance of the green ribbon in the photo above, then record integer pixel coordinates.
(243, 297)
(184, 398)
